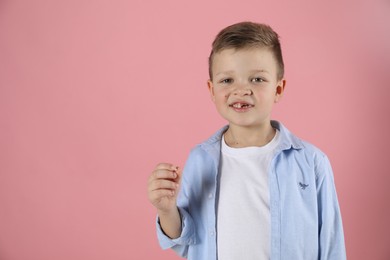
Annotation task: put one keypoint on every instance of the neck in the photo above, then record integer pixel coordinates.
(239, 137)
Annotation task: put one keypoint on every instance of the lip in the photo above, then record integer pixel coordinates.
(241, 106)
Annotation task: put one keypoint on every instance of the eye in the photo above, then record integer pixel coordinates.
(226, 81)
(257, 80)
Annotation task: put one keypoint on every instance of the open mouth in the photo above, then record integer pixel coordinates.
(240, 105)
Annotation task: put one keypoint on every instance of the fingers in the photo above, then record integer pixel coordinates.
(165, 171)
(157, 195)
(166, 166)
(164, 182)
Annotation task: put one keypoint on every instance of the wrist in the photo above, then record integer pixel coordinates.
(168, 213)
(170, 222)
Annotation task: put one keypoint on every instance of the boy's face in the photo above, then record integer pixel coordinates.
(245, 86)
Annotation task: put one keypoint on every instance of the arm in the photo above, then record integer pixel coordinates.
(331, 236)
(170, 223)
(175, 228)
(162, 190)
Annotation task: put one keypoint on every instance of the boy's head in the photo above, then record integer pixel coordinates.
(247, 35)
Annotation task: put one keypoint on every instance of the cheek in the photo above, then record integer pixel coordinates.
(220, 100)
(222, 94)
(268, 93)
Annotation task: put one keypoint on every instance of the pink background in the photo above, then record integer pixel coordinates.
(93, 94)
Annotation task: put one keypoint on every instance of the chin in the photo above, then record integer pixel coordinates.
(247, 123)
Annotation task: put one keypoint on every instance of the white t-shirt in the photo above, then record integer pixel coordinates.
(243, 216)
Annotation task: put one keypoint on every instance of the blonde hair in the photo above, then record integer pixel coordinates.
(247, 35)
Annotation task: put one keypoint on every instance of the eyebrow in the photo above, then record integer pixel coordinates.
(224, 72)
(232, 71)
(261, 70)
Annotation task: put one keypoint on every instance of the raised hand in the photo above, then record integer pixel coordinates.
(163, 187)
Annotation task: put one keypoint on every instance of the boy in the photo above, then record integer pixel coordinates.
(253, 190)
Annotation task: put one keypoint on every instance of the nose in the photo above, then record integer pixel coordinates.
(242, 92)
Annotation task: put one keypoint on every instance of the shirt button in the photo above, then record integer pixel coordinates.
(212, 233)
(210, 196)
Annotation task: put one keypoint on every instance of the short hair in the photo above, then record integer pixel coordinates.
(246, 35)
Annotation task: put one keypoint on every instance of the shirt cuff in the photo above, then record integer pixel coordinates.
(187, 236)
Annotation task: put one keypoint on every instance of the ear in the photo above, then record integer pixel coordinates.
(280, 90)
(211, 89)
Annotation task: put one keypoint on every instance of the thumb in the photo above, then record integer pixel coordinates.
(179, 172)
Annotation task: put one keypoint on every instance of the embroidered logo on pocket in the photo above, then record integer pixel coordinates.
(303, 186)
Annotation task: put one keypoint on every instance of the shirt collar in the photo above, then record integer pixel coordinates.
(287, 139)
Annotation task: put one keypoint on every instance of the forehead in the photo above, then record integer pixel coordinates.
(244, 59)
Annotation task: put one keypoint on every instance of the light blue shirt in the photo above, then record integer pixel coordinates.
(305, 216)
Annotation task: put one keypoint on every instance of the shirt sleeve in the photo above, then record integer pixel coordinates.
(187, 236)
(188, 231)
(331, 235)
